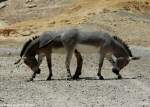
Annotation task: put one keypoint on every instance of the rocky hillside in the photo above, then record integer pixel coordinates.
(127, 18)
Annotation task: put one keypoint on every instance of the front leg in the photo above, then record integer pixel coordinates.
(67, 63)
(116, 71)
(33, 65)
(48, 58)
(79, 64)
(101, 60)
(40, 58)
(33, 76)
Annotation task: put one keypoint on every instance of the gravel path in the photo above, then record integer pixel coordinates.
(132, 91)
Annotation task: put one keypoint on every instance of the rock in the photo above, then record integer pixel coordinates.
(26, 33)
(53, 22)
(2, 5)
(115, 25)
(31, 5)
(28, 1)
(92, 13)
(9, 53)
(106, 10)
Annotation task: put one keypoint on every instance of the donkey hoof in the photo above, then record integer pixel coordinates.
(38, 72)
(29, 80)
(75, 77)
(119, 77)
(101, 78)
(69, 79)
(69, 76)
(48, 79)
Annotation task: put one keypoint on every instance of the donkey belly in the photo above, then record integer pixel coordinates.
(87, 48)
(58, 50)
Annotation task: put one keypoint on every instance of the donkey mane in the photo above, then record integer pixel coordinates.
(26, 45)
(124, 44)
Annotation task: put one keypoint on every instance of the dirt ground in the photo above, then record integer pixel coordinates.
(128, 19)
(132, 91)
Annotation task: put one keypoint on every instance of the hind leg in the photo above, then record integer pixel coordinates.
(101, 60)
(68, 61)
(48, 58)
(79, 64)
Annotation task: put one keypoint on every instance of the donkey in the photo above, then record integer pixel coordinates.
(75, 41)
(113, 48)
(41, 46)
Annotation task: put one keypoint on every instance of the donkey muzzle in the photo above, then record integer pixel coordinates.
(17, 61)
(134, 58)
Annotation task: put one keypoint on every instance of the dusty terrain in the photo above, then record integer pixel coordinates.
(133, 90)
(128, 19)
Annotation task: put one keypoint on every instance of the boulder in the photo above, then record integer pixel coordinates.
(2, 5)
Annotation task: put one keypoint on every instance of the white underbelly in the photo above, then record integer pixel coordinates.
(59, 50)
(88, 49)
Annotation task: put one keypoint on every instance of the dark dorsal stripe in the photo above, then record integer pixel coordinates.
(124, 44)
(27, 44)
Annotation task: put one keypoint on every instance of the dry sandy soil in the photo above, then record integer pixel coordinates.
(132, 91)
(128, 19)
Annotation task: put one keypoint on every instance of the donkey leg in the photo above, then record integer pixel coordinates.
(79, 64)
(40, 58)
(101, 60)
(116, 71)
(48, 58)
(33, 76)
(36, 70)
(67, 62)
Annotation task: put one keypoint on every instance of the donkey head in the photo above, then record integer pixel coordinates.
(28, 56)
(123, 55)
(32, 63)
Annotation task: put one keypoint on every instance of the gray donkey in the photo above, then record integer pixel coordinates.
(41, 46)
(113, 48)
(75, 40)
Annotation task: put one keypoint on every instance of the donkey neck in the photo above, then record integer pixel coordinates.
(119, 50)
(32, 48)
